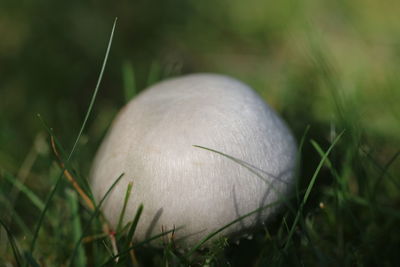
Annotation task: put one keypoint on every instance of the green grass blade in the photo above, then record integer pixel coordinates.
(73, 202)
(128, 77)
(13, 216)
(385, 170)
(94, 215)
(309, 188)
(299, 151)
(256, 171)
(133, 226)
(95, 91)
(30, 260)
(28, 193)
(122, 214)
(154, 74)
(13, 244)
(328, 162)
(323, 160)
(211, 235)
(43, 213)
(112, 259)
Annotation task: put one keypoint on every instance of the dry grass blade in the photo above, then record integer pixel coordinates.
(70, 178)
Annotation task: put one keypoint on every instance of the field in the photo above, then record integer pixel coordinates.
(329, 68)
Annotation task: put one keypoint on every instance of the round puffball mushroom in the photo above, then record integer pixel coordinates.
(201, 151)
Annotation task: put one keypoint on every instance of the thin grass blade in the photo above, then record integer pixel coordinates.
(73, 202)
(95, 91)
(122, 214)
(309, 188)
(112, 259)
(154, 74)
(211, 235)
(94, 215)
(13, 216)
(27, 192)
(299, 151)
(13, 244)
(133, 226)
(256, 171)
(128, 77)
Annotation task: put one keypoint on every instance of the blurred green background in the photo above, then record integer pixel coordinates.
(332, 65)
(51, 53)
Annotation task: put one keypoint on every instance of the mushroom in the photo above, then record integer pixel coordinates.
(201, 151)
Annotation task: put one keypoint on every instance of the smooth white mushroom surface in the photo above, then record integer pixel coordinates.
(197, 191)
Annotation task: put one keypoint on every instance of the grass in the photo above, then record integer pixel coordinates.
(329, 66)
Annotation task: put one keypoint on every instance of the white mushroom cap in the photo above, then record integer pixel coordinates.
(152, 142)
